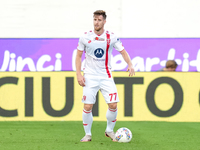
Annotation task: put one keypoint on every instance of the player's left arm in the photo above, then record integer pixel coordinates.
(127, 59)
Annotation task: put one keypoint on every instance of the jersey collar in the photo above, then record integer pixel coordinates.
(99, 35)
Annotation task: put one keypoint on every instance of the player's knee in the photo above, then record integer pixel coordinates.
(112, 105)
(88, 107)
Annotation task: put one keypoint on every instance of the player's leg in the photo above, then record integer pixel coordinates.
(87, 122)
(111, 116)
(109, 91)
(89, 97)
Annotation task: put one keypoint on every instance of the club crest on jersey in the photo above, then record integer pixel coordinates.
(99, 52)
(84, 98)
(108, 41)
(119, 40)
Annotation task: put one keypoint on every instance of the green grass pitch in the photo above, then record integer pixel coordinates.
(67, 134)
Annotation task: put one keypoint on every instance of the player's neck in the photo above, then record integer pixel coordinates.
(100, 32)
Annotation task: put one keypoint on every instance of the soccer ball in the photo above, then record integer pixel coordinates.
(123, 135)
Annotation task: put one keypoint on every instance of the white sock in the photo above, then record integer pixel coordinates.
(111, 116)
(87, 121)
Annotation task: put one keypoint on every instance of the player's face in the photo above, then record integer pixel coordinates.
(99, 22)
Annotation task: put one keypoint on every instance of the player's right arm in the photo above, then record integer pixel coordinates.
(80, 77)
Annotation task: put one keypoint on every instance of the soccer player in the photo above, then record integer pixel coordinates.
(98, 45)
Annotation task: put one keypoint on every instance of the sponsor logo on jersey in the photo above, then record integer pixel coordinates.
(98, 59)
(99, 39)
(99, 52)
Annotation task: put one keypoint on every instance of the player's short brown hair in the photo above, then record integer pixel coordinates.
(171, 64)
(100, 12)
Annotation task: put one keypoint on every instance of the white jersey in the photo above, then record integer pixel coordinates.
(98, 50)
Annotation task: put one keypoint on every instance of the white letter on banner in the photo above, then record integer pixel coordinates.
(6, 60)
(138, 63)
(26, 61)
(12, 65)
(185, 65)
(150, 62)
(198, 61)
(41, 62)
(171, 56)
(58, 63)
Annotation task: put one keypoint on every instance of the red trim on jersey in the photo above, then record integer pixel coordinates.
(85, 124)
(122, 50)
(107, 48)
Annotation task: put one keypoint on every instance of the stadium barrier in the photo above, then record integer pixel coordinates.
(56, 96)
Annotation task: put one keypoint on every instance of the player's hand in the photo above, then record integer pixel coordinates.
(81, 80)
(131, 71)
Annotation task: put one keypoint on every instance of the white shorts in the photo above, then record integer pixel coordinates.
(93, 84)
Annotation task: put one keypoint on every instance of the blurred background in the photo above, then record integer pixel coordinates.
(126, 18)
(41, 36)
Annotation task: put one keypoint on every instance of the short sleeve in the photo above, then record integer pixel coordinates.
(118, 45)
(81, 45)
